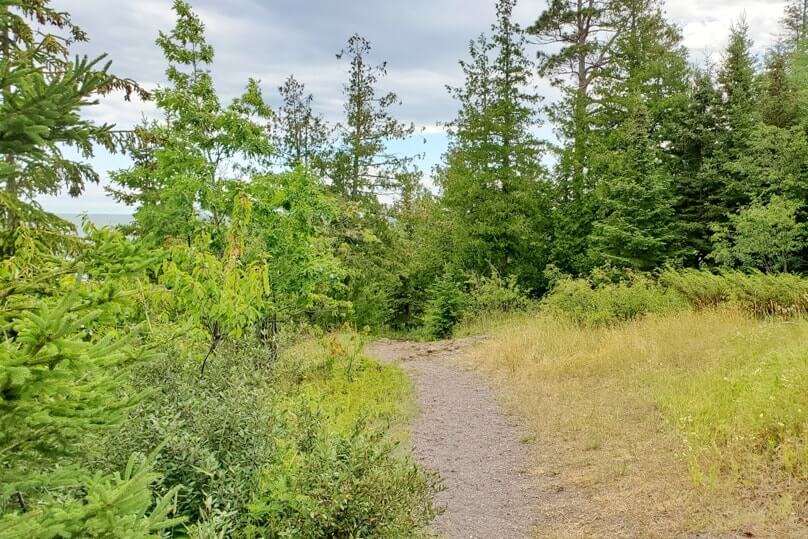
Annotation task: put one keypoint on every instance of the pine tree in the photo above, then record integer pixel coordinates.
(795, 23)
(363, 167)
(494, 182)
(578, 36)
(301, 136)
(635, 227)
(42, 93)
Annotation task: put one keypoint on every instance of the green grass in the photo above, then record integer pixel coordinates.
(702, 413)
(332, 373)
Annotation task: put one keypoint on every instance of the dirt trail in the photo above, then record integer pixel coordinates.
(462, 433)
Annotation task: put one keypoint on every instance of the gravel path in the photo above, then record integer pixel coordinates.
(462, 433)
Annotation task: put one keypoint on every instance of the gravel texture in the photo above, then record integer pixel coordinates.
(462, 433)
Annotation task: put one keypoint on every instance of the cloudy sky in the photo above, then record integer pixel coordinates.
(270, 39)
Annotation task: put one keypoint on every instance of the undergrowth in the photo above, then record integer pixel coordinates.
(306, 448)
(703, 409)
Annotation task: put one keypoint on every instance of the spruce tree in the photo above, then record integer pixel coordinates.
(363, 166)
(779, 106)
(63, 358)
(494, 182)
(635, 227)
(738, 115)
(643, 100)
(697, 185)
(42, 94)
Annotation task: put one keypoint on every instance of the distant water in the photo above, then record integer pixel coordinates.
(98, 219)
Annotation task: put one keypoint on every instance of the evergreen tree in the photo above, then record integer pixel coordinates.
(363, 167)
(778, 101)
(643, 100)
(795, 22)
(494, 182)
(42, 93)
(635, 227)
(578, 36)
(697, 186)
(301, 136)
(62, 362)
(738, 115)
(182, 180)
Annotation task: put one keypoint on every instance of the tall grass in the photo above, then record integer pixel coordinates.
(682, 422)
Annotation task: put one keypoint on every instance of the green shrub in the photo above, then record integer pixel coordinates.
(226, 438)
(758, 293)
(580, 301)
(325, 484)
(446, 306)
(214, 430)
(495, 294)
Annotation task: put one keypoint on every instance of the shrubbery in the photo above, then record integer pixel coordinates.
(601, 302)
(300, 449)
(585, 303)
(446, 305)
(455, 298)
(758, 293)
(323, 485)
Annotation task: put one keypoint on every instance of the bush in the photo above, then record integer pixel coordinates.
(230, 437)
(758, 293)
(495, 294)
(580, 301)
(214, 430)
(331, 485)
(446, 306)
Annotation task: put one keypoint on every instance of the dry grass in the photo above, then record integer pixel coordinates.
(671, 425)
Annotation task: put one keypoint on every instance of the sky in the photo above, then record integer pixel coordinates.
(422, 41)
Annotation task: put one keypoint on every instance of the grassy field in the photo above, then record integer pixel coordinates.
(665, 425)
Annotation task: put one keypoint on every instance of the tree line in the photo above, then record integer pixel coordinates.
(655, 162)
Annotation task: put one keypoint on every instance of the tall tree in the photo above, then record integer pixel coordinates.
(301, 136)
(778, 100)
(697, 185)
(494, 182)
(577, 37)
(363, 166)
(795, 22)
(738, 114)
(42, 93)
(635, 227)
(187, 164)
